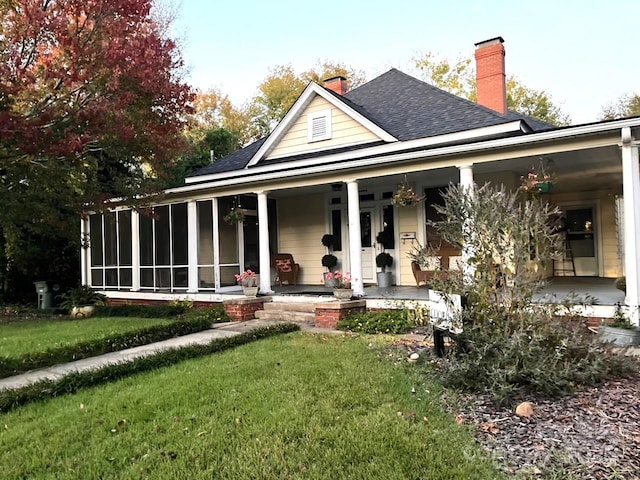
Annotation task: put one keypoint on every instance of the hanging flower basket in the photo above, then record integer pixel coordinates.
(405, 196)
(536, 181)
(234, 216)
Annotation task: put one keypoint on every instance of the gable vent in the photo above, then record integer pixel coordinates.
(319, 126)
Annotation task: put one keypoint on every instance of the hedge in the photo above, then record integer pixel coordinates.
(73, 382)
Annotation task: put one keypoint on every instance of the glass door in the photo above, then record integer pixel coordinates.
(581, 239)
(367, 245)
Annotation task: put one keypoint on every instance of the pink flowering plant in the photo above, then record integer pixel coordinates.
(247, 278)
(535, 181)
(339, 279)
(405, 196)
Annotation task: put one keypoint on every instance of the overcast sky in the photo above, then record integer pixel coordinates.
(583, 53)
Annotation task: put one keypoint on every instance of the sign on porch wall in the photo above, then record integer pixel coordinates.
(445, 311)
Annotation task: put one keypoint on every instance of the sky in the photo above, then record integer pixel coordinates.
(583, 53)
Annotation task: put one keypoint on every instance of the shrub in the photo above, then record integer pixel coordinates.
(510, 346)
(384, 321)
(215, 314)
(184, 326)
(329, 261)
(82, 295)
(384, 260)
(11, 398)
(530, 353)
(141, 311)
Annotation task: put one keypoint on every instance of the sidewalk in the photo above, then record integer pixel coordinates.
(55, 372)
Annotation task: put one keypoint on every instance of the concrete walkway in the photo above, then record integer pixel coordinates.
(55, 372)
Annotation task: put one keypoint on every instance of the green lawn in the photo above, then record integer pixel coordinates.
(292, 406)
(19, 338)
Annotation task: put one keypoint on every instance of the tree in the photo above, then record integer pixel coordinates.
(91, 99)
(279, 91)
(626, 106)
(459, 78)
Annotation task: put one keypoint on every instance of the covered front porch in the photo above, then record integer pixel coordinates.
(190, 245)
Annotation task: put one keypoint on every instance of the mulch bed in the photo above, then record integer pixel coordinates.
(592, 434)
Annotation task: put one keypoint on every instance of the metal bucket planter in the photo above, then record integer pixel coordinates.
(622, 337)
(384, 279)
(83, 311)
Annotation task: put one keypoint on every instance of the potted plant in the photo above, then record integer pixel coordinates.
(620, 331)
(81, 301)
(405, 196)
(384, 260)
(341, 283)
(234, 216)
(536, 181)
(621, 283)
(249, 282)
(328, 240)
(329, 261)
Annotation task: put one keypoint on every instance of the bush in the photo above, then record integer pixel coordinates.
(11, 398)
(141, 311)
(183, 326)
(385, 321)
(530, 353)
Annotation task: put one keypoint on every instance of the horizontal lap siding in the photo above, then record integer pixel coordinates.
(301, 226)
(345, 131)
(407, 222)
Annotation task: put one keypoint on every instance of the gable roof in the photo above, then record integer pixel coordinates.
(394, 103)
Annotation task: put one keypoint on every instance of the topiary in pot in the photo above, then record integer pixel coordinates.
(329, 261)
(384, 260)
(328, 240)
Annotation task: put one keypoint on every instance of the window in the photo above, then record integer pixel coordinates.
(110, 240)
(319, 126)
(432, 199)
(163, 248)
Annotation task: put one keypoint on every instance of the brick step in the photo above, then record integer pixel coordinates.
(308, 307)
(286, 316)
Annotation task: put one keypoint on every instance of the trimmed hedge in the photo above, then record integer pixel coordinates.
(73, 382)
(140, 311)
(193, 321)
(383, 321)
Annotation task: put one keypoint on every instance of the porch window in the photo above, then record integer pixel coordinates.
(110, 242)
(433, 199)
(336, 229)
(163, 248)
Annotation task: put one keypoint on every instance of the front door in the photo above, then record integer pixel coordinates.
(581, 239)
(367, 229)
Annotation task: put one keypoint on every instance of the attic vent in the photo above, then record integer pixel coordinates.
(319, 126)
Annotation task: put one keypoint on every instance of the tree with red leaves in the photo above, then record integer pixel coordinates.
(91, 101)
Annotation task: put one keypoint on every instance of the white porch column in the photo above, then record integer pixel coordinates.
(466, 182)
(84, 250)
(216, 243)
(263, 241)
(355, 238)
(192, 245)
(631, 192)
(135, 251)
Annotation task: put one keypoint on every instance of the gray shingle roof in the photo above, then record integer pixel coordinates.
(405, 107)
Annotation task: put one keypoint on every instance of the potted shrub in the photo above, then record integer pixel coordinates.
(620, 331)
(329, 261)
(328, 240)
(384, 260)
(81, 301)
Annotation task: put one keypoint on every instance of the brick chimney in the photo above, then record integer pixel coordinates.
(336, 84)
(490, 74)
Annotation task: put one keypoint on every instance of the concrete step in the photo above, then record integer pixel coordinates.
(308, 307)
(286, 315)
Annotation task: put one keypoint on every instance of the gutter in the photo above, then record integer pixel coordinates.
(309, 168)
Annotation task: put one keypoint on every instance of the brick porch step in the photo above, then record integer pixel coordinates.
(286, 315)
(309, 307)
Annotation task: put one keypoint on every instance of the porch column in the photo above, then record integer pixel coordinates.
(135, 251)
(84, 249)
(631, 192)
(192, 245)
(355, 238)
(466, 182)
(216, 243)
(263, 241)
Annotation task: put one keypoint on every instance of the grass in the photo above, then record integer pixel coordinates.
(292, 406)
(22, 337)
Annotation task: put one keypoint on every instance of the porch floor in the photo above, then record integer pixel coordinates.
(601, 291)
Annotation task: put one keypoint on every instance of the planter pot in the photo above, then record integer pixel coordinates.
(327, 282)
(83, 311)
(544, 187)
(619, 336)
(250, 291)
(343, 293)
(385, 279)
